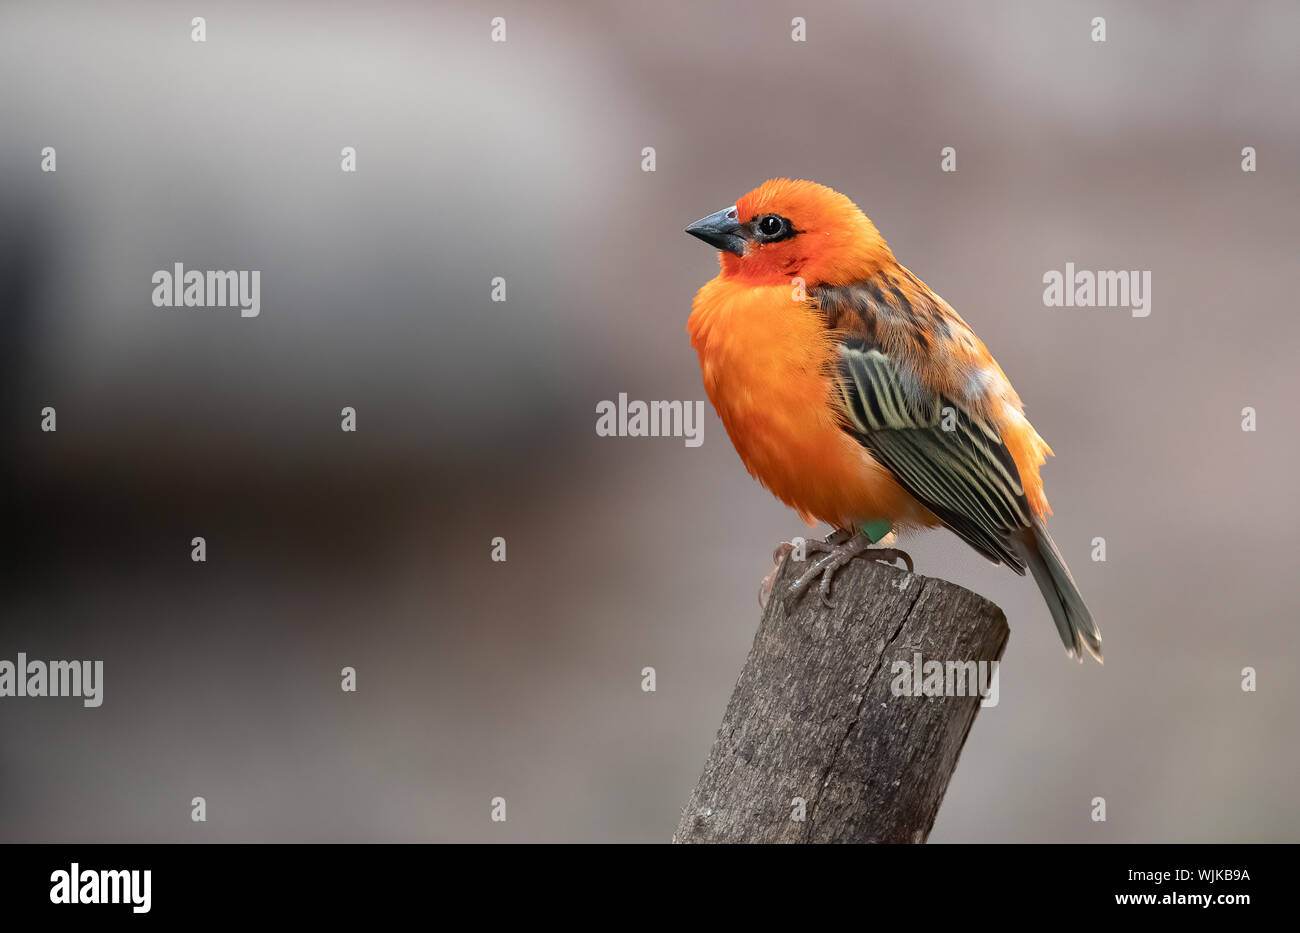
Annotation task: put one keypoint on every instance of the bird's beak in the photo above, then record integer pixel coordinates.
(722, 230)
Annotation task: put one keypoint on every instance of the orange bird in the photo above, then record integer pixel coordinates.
(860, 398)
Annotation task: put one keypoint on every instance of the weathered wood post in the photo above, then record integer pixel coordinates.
(813, 718)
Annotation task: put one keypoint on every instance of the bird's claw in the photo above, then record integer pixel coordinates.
(891, 554)
(766, 584)
(836, 555)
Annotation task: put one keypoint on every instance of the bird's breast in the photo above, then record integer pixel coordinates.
(767, 362)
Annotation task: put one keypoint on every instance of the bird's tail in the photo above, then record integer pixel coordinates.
(1072, 618)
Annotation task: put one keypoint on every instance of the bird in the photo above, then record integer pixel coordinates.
(855, 394)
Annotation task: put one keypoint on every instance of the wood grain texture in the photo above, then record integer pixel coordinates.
(813, 715)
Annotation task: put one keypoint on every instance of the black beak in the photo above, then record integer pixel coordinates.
(722, 230)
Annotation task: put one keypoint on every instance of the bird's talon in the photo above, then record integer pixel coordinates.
(825, 590)
(890, 555)
(836, 558)
(766, 584)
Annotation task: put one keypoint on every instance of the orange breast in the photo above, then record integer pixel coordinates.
(766, 366)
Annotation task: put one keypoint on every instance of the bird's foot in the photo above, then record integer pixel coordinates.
(828, 544)
(836, 555)
(815, 546)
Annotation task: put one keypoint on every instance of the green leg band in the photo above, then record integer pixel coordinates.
(876, 529)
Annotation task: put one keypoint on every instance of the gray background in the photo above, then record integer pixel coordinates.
(477, 419)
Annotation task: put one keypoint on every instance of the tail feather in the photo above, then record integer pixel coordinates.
(1073, 620)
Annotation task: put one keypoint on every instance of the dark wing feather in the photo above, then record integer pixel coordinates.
(965, 476)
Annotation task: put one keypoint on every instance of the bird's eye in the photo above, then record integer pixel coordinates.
(771, 225)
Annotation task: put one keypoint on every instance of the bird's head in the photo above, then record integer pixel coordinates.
(785, 229)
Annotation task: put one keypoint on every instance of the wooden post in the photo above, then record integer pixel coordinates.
(813, 717)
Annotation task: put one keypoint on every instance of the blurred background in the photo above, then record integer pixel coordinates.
(476, 419)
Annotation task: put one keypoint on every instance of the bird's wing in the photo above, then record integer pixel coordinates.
(956, 466)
